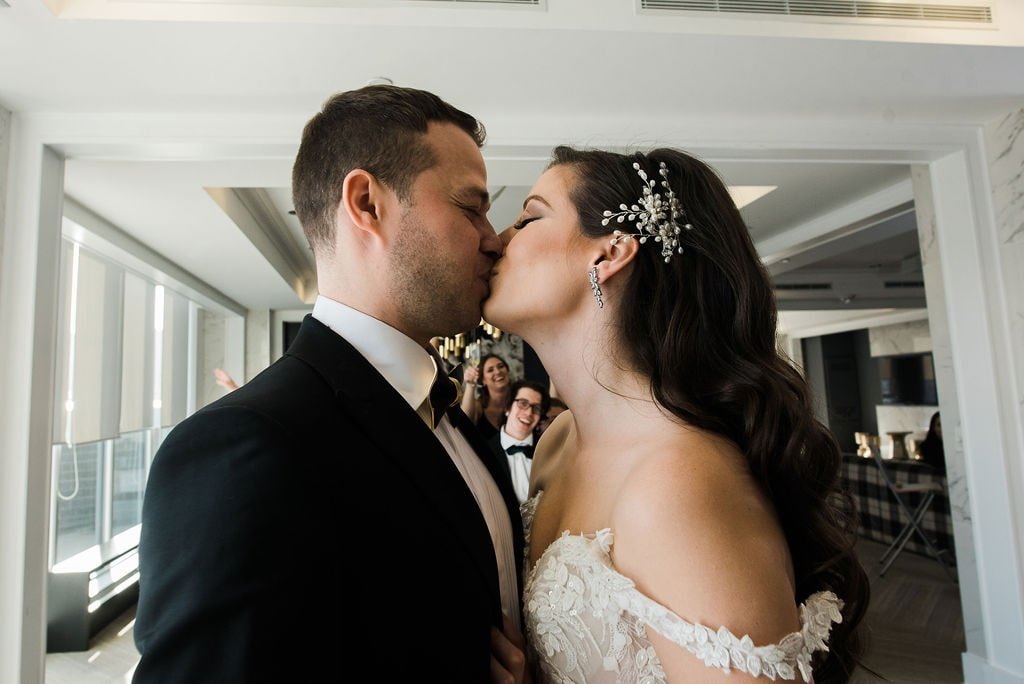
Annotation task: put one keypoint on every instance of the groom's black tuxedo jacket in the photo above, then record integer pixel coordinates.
(309, 526)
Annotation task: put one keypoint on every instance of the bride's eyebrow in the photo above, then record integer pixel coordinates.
(538, 198)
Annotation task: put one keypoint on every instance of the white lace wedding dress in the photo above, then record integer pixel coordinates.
(587, 623)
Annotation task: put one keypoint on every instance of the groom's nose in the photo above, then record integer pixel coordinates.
(492, 244)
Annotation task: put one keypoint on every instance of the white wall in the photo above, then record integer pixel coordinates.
(1004, 147)
(1004, 141)
(945, 380)
(5, 151)
(977, 309)
(28, 305)
(986, 400)
(10, 534)
(211, 344)
(257, 343)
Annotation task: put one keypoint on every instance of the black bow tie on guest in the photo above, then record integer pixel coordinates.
(444, 394)
(524, 449)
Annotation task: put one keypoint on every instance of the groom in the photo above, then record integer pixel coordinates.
(338, 513)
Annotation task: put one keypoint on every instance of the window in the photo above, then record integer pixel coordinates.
(77, 521)
(128, 481)
(126, 369)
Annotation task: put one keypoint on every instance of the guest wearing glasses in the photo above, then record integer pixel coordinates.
(515, 440)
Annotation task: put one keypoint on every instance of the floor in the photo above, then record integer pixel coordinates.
(915, 627)
(111, 659)
(915, 631)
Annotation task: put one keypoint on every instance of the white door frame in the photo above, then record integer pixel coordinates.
(965, 227)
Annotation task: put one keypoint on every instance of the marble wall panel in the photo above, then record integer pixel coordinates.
(900, 338)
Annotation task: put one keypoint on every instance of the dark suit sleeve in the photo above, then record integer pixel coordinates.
(221, 531)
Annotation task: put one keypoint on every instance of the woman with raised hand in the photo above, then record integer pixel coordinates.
(686, 522)
(486, 394)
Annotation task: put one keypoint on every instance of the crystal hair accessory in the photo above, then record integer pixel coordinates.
(655, 216)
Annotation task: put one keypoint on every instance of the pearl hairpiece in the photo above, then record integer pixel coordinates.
(655, 216)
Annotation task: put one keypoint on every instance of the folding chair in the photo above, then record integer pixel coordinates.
(928, 492)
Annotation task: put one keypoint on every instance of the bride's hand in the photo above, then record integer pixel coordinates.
(508, 655)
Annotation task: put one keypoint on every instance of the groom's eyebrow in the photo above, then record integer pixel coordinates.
(538, 198)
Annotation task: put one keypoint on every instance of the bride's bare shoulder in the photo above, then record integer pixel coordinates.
(555, 445)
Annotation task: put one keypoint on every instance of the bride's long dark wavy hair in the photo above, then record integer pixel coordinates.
(703, 327)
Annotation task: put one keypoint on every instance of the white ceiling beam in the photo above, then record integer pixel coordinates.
(843, 222)
(255, 215)
(800, 324)
(863, 234)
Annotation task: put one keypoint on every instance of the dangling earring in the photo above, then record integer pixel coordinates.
(596, 287)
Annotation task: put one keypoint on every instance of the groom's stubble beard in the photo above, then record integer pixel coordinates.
(425, 283)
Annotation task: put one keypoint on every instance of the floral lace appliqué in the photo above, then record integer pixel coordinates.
(585, 622)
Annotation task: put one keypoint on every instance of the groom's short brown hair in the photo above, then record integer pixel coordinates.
(378, 129)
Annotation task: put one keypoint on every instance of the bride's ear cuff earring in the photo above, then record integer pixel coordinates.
(596, 286)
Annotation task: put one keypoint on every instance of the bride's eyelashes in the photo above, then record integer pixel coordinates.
(523, 222)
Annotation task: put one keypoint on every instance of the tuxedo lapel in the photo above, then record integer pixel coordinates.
(498, 466)
(388, 421)
(495, 444)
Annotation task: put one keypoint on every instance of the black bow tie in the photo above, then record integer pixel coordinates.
(524, 449)
(444, 394)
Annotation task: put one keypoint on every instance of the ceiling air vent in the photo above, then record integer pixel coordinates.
(971, 13)
(803, 286)
(535, 3)
(346, 4)
(892, 284)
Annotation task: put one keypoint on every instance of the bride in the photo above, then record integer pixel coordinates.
(685, 521)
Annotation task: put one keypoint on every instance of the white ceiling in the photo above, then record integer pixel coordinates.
(579, 71)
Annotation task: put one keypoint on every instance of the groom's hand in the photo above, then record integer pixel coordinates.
(508, 655)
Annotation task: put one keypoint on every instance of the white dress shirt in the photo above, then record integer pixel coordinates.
(411, 370)
(518, 463)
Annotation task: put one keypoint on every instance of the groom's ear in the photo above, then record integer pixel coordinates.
(611, 259)
(365, 203)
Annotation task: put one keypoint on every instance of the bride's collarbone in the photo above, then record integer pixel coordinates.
(581, 488)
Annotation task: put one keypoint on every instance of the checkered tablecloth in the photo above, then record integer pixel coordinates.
(880, 517)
